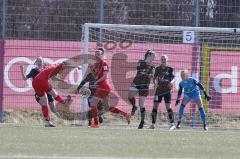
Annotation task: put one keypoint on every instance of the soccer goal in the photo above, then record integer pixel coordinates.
(211, 55)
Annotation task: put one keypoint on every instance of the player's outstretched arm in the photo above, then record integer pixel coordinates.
(179, 95)
(22, 73)
(58, 78)
(207, 97)
(88, 78)
(80, 85)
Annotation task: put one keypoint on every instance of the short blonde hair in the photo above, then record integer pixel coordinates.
(185, 71)
(40, 58)
(165, 56)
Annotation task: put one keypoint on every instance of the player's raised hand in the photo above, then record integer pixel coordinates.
(21, 67)
(177, 102)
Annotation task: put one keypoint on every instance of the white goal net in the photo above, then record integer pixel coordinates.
(210, 54)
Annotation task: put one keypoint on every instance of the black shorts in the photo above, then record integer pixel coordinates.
(167, 98)
(143, 89)
(50, 98)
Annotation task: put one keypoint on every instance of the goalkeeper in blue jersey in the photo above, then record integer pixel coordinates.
(191, 93)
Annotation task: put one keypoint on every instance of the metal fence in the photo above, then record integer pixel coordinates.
(62, 19)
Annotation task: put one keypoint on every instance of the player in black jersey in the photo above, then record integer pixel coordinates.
(163, 81)
(39, 63)
(141, 83)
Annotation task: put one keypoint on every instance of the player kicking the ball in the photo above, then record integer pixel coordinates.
(42, 87)
(39, 63)
(102, 88)
(191, 93)
(141, 83)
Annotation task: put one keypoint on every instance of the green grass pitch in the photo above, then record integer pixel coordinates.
(110, 142)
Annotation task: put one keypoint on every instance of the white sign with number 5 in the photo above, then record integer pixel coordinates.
(188, 37)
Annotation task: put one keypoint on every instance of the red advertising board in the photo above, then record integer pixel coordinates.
(224, 82)
(18, 94)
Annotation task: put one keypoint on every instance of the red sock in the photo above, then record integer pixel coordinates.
(117, 111)
(59, 99)
(45, 112)
(94, 114)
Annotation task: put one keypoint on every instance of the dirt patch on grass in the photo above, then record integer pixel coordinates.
(35, 117)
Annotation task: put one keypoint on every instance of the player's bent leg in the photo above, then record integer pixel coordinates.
(52, 107)
(120, 112)
(202, 113)
(46, 116)
(44, 103)
(59, 98)
(56, 96)
(131, 97)
(181, 111)
(94, 112)
(142, 111)
(100, 109)
(142, 122)
(180, 115)
(43, 100)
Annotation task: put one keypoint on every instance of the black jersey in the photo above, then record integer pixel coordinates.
(144, 72)
(33, 73)
(164, 75)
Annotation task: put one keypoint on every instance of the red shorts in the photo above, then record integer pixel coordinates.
(41, 85)
(102, 91)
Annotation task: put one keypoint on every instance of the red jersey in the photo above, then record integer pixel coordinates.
(99, 68)
(40, 82)
(50, 71)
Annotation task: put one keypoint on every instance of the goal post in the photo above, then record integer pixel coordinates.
(187, 48)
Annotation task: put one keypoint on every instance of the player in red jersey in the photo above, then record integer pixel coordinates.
(32, 74)
(42, 87)
(101, 69)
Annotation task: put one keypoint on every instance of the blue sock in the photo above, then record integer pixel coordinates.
(180, 115)
(203, 115)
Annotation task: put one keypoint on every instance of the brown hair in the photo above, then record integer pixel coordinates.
(101, 49)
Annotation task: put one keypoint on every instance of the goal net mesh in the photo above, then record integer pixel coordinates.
(212, 58)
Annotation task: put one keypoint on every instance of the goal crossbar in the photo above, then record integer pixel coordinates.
(163, 28)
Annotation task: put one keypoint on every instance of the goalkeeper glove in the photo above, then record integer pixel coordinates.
(207, 97)
(177, 102)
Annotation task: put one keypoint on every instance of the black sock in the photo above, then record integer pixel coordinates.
(170, 115)
(154, 116)
(132, 101)
(89, 115)
(142, 114)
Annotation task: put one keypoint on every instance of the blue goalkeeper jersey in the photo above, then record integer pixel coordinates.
(190, 88)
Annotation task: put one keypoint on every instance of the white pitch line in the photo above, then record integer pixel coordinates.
(73, 157)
